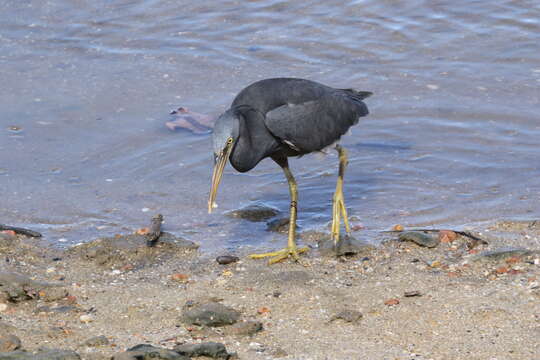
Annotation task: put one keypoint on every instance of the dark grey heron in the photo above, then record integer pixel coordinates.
(284, 117)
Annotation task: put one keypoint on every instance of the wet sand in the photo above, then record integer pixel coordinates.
(447, 302)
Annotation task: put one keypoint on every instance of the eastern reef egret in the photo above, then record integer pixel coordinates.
(284, 117)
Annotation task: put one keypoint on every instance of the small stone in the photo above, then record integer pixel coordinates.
(419, 238)
(95, 341)
(3, 307)
(351, 316)
(279, 353)
(263, 310)
(391, 302)
(148, 352)
(501, 254)
(86, 318)
(245, 328)
(9, 342)
(181, 278)
(210, 349)
(226, 259)
(447, 236)
(412, 293)
(210, 314)
(398, 227)
(53, 293)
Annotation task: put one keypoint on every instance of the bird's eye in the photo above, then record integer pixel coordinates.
(229, 141)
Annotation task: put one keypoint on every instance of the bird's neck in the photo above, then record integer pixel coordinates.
(254, 142)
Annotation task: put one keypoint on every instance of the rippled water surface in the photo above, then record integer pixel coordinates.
(452, 138)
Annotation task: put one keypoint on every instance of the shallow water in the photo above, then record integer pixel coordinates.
(451, 141)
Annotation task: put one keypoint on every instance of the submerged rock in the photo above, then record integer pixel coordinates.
(210, 349)
(280, 225)
(210, 314)
(148, 352)
(419, 238)
(254, 212)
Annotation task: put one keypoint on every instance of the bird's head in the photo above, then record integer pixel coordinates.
(226, 130)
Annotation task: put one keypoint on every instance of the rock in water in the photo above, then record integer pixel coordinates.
(210, 314)
(419, 238)
(254, 212)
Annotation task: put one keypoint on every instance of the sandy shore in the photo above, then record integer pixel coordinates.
(395, 301)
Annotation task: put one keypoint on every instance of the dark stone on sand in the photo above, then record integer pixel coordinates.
(132, 250)
(503, 254)
(148, 352)
(53, 293)
(346, 246)
(209, 349)
(226, 259)
(245, 328)
(45, 354)
(210, 314)
(16, 287)
(280, 225)
(9, 342)
(419, 238)
(412, 293)
(351, 316)
(95, 341)
(254, 212)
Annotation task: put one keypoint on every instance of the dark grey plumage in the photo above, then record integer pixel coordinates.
(288, 115)
(285, 117)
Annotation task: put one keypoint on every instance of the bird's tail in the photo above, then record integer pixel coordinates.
(358, 95)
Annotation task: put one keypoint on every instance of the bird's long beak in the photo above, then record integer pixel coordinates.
(219, 165)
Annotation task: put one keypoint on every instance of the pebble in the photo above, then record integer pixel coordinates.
(3, 307)
(85, 318)
(9, 343)
(148, 352)
(391, 302)
(209, 349)
(210, 314)
(245, 328)
(419, 238)
(412, 293)
(100, 340)
(226, 259)
(351, 316)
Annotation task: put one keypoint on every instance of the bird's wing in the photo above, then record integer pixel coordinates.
(316, 124)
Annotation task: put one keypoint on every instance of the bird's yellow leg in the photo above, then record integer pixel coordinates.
(338, 207)
(291, 250)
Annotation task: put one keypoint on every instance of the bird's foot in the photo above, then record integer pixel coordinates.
(339, 212)
(277, 256)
